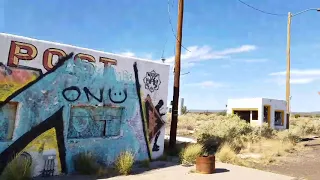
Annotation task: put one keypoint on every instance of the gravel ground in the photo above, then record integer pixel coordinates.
(304, 165)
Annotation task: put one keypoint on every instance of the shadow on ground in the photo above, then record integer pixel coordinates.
(221, 170)
(137, 169)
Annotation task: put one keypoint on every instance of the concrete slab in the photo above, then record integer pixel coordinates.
(182, 139)
(224, 172)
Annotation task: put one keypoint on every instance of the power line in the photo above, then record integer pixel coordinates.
(170, 21)
(265, 12)
(164, 48)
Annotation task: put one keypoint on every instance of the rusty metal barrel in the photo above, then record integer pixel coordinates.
(205, 164)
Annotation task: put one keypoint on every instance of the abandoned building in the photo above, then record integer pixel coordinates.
(257, 111)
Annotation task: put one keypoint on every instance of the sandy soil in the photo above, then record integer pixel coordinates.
(303, 165)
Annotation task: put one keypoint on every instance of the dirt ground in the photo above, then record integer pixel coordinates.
(303, 165)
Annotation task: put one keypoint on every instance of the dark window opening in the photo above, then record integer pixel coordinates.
(265, 114)
(245, 115)
(278, 118)
(254, 115)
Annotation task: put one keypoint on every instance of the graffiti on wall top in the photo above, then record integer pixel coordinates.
(73, 100)
(13, 79)
(152, 81)
(28, 52)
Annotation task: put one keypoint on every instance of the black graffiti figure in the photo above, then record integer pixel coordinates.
(152, 81)
(155, 145)
(157, 107)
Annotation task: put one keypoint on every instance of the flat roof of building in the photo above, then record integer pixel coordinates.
(255, 98)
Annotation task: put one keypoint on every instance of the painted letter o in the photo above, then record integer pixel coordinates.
(71, 88)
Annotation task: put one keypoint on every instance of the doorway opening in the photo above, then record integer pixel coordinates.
(266, 114)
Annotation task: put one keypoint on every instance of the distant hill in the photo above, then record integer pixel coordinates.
(307, 113)
(217, 111)
(205, 111)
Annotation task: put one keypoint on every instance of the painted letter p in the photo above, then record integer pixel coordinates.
(21, 51)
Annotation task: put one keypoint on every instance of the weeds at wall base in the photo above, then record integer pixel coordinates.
(124, 162)
(189, 154)
(18, 169)
(86, 164)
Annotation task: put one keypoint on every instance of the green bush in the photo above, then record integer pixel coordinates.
(305, 126)
(86, 164)
(264, 131)
(297, 116)
(224, 113)
(18, 169)
(184, 110)
(124, 162)
(189, 155)
(287, 135)
(223, 129)
(226, 154)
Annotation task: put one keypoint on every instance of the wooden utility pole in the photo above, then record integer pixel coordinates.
(176, 88)
(288, 64)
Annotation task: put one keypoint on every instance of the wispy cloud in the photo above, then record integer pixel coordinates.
(207, 84)
(128, 54)
(297, 76)
(203, 53)
(241, 49)
(132, 54)
(302, 80)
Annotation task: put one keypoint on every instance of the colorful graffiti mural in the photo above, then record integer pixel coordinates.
(57, 105)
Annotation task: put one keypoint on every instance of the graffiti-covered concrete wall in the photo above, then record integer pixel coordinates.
(58, 100)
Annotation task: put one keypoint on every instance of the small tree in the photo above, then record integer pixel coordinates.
(184, 110)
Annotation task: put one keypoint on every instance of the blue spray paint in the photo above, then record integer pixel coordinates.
(86, 85)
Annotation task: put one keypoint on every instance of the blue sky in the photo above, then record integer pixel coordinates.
(235, 51)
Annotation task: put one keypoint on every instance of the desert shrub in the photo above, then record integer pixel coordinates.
(187, 122)
(224, 113)
(124, 162)
(297, 116)
(264, 131)
(190, 153)
(224, 129)
(226, 154)
(305, 126)
(18, 169)
(86, 163)
(289, 136)
(184, 110)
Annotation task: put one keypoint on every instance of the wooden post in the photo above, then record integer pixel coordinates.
(175, 103)
(288, 64)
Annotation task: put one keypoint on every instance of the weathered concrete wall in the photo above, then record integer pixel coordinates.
(86, 101)
(276, 105)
